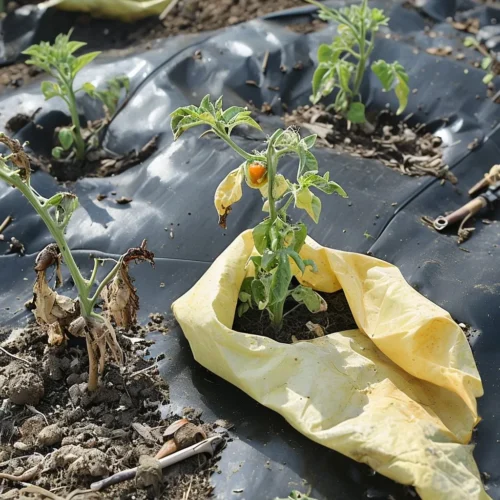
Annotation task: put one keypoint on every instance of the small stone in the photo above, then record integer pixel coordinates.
(50, 435)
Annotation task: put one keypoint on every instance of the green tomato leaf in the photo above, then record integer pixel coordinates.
(74, 46)
(260, 293)
(242, 308)
(232, 112)
(325, 53)
(470, 41)
(82, 61)
(486, 62)
(488, 78)
(260, 235)
(307, 296)
(344, 71)
(57, 152)
(268, 259)
(393, 76)
(323, 83)
(281, 279)
(300, 235)
(89, 88)
(356, 112)
(257, 262)
(50, 90)
(66, 138)
(309, 141)
(322, 183)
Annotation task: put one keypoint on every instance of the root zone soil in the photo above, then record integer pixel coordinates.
(56, 435)
(387, 138)
(298, 322)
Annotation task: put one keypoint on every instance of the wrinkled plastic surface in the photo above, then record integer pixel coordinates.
(175, 188)
(124, 10)
(398, 394)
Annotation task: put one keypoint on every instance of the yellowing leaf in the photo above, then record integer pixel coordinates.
(280, 187)
(227, 193)
(309, 202)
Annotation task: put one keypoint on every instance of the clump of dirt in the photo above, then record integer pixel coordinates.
(56, 435)
(298, 322)
(411, 151)
(17, 75)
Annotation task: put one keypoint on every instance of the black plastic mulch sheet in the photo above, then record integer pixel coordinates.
(173, 192)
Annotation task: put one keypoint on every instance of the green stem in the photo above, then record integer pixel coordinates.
(277, 311)
(71, 101)
(79, 144)
(227, 139)
(271, 174)
(57, 234)
(360, 71)
(105, 281)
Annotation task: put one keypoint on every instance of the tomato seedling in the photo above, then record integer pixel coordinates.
(489, 61)
(57, 313)
(59, 62)
(342, 64)
(278, 241)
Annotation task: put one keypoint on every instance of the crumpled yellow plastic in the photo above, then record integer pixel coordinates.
(398, 394)
(124, 10)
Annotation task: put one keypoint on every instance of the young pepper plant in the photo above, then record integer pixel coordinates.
(277, 240)
(342, 64)
(53, 311)
(60, 63)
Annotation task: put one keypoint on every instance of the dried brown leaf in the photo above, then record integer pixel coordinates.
(50, 307)
(120, 296)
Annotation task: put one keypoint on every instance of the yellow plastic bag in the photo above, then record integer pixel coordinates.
(124, 10)
(398, 394)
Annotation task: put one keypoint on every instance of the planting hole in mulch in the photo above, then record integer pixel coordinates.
(411, 151)
(56, 435)
(298, 322)
(98, 162)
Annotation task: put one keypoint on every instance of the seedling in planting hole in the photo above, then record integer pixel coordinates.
(59, 62)
(57, 313)
(489, 62)
(277, 240)
(342, 64)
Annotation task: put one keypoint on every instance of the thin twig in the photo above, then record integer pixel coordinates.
(14, 356)
(168, 9)
(144, 370)
(264, 62)
(5, 223)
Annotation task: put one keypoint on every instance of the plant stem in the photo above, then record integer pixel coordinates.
(227, 139)
(277, 310)
(271, 174)
(360, 71)
(79, 144)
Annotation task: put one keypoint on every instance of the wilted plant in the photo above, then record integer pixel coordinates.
(489, 62)
(342, 64)
(57, 313)
(59, 62)
(277, 240)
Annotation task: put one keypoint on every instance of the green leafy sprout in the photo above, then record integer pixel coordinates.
(487, 62)
(56, 213)
(342, 64)
(277, 240)
(59, 61)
